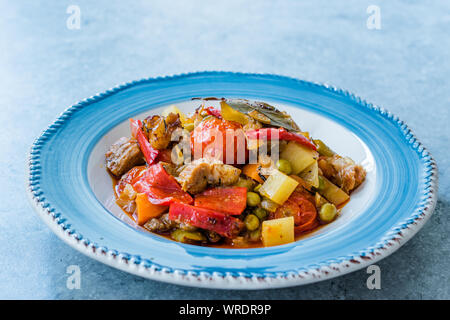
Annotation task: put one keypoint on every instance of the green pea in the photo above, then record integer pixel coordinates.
(253, 199)
(260, 213)
(246, 183)
(255, 235)
(251, 222)
(327, 212)
(284, 166)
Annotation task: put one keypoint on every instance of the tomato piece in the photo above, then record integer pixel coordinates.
(129, 178)
(301, 208)
(228, 200)
(209, 138)
(160, 187)
(222, 223)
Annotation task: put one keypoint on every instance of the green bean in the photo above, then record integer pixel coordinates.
(260, 213)
(253, 199)
(284, 166)
(323, 149)
(327, 212)
(251, 222)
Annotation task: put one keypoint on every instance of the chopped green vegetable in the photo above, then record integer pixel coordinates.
(269, 205)
(319, 200)
(187, 236)
(333, 193)
(321, 184)
(323, 149)
(311, 175)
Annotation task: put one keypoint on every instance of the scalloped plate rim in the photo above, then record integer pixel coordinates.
(219, 280)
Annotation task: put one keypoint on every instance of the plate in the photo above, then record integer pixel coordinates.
(72, 192)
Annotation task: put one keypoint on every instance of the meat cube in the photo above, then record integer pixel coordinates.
(342, 171)
(123, 155)
(195, 176)
(223, 174)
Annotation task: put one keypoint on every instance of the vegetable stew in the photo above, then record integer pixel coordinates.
(242, 175)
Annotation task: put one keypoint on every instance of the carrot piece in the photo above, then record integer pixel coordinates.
(252, 170)
(147, 210)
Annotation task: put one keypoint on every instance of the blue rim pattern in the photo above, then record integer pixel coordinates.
(425, 173)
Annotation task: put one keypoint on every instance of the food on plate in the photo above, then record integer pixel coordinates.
(235, 175)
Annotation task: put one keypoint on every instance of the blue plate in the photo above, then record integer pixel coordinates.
(69, 187)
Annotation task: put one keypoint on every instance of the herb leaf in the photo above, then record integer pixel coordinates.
(277, 118)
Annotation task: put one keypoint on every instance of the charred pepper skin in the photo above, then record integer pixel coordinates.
(221, 223)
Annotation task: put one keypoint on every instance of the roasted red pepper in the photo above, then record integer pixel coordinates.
(160, 187)
(129, 178)
(149, 152)
(232, 200)
(213, 112)
(222, 223)
(280, 134)
(164, 155)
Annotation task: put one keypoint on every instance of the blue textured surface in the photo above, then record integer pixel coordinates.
(45, 67)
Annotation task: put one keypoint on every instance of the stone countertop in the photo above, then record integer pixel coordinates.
(46, 66)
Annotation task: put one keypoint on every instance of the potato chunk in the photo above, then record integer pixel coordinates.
(278, 187)
(278, 231)
(299, 156)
